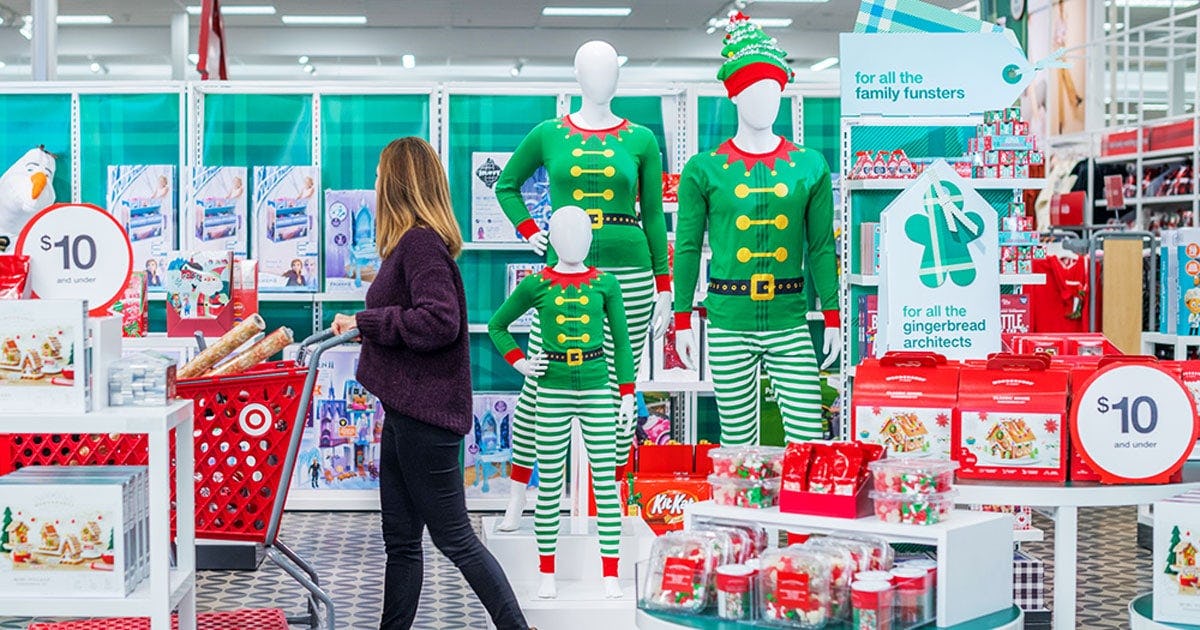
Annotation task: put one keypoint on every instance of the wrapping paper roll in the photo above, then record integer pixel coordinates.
(223, 347)
(270, 345)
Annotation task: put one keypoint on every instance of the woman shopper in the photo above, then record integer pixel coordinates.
(415, 359)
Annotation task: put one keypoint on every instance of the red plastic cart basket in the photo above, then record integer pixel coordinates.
(256, 619)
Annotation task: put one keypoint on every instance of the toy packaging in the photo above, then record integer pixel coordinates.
(1014, 314)
(351, 254)
(514, 274)
(488, 222)
(1176, 567)
(44, 359)
(81, 530)
(286, 239)
(904, 402)
(340, 447)
(1011, 420)
(487, 448)
(1179, 286)
(198, 286)
(244, 290)
(131, 307)
(215, 214)
(868, 324)
(142, 198)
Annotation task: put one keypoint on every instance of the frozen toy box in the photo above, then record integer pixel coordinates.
(142, 198)
(487, 448)
(215, 214)
(351, 253)
(286, 228)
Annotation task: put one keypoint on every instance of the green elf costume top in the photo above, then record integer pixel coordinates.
(605, 172)
(765, 215)
(572, 308)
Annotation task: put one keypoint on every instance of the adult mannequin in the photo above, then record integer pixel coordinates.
(569, 379)
(767, 207)
(613, 167)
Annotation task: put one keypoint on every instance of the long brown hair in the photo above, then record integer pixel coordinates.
(412, 191)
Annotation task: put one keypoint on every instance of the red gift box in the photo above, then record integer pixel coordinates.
(702, 466)
(660, 499)
(1010, 420)
(904, 402)
(1067, 208)
(665, 459)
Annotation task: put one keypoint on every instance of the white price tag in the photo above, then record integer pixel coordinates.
(77, 251)
(1133, 423)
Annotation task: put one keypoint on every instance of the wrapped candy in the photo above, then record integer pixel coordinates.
(682, 568)
(223, 347)
(752, 493)
(269, 346)
(913, 509)
(747, 462)
(914, 595)
(746, 541)
(736, 592)
(795, 589)
(910, 476)
(842, 568)
(871, 604)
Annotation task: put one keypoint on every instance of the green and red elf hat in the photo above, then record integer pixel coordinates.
(751, 56)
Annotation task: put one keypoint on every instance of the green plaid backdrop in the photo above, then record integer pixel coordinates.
(126, 129)
(822, 128)
(646, 111)
(27, 120)
(717, 116)
(354, 129)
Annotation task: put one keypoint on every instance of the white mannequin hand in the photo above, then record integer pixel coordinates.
(625, 413)
(662, 314)
(685, 345)
(538, 242)
(534, 366)
(833, 347)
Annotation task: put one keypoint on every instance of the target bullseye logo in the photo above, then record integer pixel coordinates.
(255, 419)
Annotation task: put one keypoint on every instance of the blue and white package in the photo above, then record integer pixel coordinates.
(215, 212)
(286, 238)
(351, 253)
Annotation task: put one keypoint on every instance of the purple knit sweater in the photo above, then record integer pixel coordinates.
(416, 350)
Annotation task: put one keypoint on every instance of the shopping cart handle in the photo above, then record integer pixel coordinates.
(311, 349)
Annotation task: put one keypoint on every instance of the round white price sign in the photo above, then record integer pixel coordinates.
(77, 251)
(1133, 423)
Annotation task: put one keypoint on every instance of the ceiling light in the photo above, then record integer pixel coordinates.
(586, 11)
(515, 71)
(302, 60)
(95, 67)
(824, 64)
(3, 65)
(1156, 4)
(83, 20)
(622, 60)
(789, 1)
(408, 61)
(193, 58)
(323, 20)
(27, 28)
(309, 68)
(244, 9)
(716, 23)
(1155, 107)
(1108, 26)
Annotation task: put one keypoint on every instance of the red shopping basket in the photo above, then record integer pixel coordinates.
(243, 427)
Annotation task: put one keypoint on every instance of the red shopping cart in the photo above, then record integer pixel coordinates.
(248, 429)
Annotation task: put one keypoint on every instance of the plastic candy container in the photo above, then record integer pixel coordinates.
(682, 565)
(914, 595)
(795, 589)
(736, 592)
(912, 476)
(747, 462)
(746, 541)
(753, 493)
(871, 603)
(914, 509)
(842, 568)
(871, 553)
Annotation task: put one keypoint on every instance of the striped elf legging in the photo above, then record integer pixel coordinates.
(637, 293)
(554, 411)
(789, 361)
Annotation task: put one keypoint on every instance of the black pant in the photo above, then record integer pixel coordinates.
(421, 483)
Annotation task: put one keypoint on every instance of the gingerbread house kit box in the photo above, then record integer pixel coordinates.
(44, 358)
(904, 402)
(1010, 422)
(1176, 567)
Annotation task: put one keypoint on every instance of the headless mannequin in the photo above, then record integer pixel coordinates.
(571, 236)
(757, 108)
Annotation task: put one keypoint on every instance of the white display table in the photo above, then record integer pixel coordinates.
(1141, 613)
(974, 551)
(1063, 502)
(166, 588)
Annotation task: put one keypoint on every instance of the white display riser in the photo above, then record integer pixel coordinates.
(578, 555)
(579, 606)
(645, 621)
(974, 550)
(1140, 616)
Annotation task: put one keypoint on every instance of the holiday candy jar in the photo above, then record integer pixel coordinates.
(912, 476)
(914, 595)
(795, 589)
(842, 568)
(736, 592)
(871, 605)
(682, 565)
(747, 462)
(753, 493)
(914, 509)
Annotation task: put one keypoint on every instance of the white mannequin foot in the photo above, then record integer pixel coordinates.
(612, 588)
(516, 505)
(548, 588)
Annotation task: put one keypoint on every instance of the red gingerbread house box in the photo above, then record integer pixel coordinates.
(1011, 420)
(904, 402)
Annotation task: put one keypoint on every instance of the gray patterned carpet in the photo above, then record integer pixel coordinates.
(347, 549)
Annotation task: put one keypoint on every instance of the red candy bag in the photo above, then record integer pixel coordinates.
(847, 465)
(14, 272)
(820, 472)
(795, 466)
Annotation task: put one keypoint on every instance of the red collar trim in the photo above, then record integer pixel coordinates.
(587, 134)
(734, 154)
(565, 280)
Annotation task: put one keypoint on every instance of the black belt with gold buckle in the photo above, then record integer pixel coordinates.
(575, 356)
(601, 219)
(760, 286)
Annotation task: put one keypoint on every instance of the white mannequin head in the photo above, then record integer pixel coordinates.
(571, 234)
(758, 105)
(597, 71)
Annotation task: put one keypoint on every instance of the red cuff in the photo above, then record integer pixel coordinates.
(683, 321)
(521, 474)
(663, 283)
(833, 318)
(546, 564)
(625, 389)
(610, 566)
(514, 355)
(528, 228)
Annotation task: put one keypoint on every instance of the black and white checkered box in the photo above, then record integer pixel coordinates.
(1029, 589)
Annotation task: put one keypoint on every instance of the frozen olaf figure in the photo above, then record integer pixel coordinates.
(25, 189)
(767, 208)
(612, 168)
(568, 376)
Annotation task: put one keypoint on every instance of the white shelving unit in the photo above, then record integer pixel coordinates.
(978, 183)
(974, 550)
(166, 588)
(1180, 343)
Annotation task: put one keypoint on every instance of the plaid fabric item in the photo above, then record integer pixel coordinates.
(1029, 589)
(822, 129)
(718, 121)
(354, 129)
(125, 129)
(914, 16)
(257, 130)
(27, 120)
